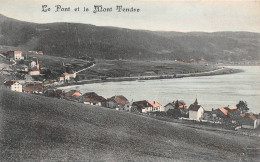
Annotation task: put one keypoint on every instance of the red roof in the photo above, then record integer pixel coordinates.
(154, 103)
(232, 107)
(249, 115)
(72, 93)
(76, 94)
(224, 111)
(17, 52)
(181, 106)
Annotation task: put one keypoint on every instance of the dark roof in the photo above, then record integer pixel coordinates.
(119, 99)
(9, 82)
(142, 104)
(195, 106)
(95, 99)
(170, 104)
(89, 94)
(31, 87)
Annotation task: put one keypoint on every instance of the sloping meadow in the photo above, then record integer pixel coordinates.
(34, 127)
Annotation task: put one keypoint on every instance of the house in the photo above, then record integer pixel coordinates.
(195, 111)
(141, 106)
(250, 121)
(169, 106)
(94, 100)
(35, 69)
(14, 55)
(72, 74)
(229, 114)
(156, 106)
(34, 87)
(13, 85)
(118, 102)
(176, 109)
(66, 77)
(178, 104)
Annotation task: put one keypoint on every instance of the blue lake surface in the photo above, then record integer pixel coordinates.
(211, 91)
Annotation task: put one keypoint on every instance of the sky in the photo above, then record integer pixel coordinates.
(163, 15)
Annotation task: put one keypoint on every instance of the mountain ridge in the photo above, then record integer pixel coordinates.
(78, 39)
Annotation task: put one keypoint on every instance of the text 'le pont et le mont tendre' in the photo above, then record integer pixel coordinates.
(96, 9)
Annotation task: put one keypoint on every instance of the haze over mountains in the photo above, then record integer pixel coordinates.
(75, 40)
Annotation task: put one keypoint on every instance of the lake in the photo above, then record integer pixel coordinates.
(211, 91)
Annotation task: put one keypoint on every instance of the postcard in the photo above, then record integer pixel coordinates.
(129, 80)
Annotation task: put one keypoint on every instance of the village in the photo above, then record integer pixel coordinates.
(31, 78)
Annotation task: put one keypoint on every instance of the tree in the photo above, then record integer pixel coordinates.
(242, 106)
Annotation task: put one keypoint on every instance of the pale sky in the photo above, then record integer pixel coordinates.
(164, 15)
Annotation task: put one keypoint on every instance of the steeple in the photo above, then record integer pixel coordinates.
(196, 102)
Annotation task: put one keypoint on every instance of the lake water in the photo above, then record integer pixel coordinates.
(211, 91)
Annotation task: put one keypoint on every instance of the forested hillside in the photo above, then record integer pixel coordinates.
(74, 39)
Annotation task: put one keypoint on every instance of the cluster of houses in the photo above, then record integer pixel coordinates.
(33, 68)
(232, 116)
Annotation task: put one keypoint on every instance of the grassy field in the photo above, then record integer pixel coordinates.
(35, 128)
(126, 68)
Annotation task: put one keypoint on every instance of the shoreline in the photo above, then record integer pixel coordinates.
(219, 71)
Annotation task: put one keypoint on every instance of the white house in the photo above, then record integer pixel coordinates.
(72, 74)
(155, 106)
(196, 111)
(66, 77)
(13, 85)
(18, 55)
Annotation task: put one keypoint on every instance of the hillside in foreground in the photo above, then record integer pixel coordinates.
(77, 40)
(35, 128)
